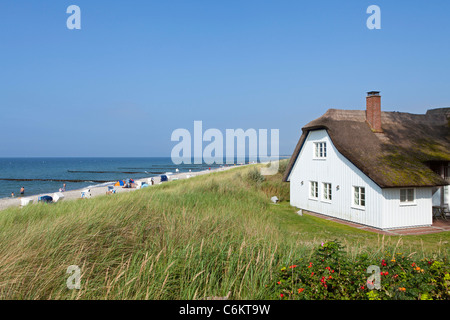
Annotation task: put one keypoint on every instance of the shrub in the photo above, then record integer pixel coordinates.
(329, 274)
(255, 176)
(282, 165)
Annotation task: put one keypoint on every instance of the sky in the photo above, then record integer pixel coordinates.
(138, 70)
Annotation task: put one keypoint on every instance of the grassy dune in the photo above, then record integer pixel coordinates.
(188, 239)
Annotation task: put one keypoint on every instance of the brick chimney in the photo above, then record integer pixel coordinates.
(373, 110)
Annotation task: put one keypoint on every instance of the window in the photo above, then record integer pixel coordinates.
(320, 150)
(359, 196)
(314, 190)
(327, 191)
(406, 196)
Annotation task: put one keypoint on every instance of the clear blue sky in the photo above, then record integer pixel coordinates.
(137, 70)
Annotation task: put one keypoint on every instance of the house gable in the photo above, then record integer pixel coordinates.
(340, 175)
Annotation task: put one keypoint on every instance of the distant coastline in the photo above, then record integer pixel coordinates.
(101, 189)
(39, 175)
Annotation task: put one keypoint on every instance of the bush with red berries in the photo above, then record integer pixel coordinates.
(331, 275)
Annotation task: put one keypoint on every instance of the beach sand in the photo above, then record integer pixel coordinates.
(101, 190)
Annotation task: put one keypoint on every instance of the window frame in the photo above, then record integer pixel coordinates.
(327, 192)
(359, 205)
(316, 190)
(320, 150)
(406, 202)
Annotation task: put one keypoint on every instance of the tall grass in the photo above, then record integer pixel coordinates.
(202, 237)
(188, 239)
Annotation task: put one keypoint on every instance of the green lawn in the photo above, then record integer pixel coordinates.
(187, 239)
(314, 229)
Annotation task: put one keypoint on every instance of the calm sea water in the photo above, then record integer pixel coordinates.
(47, 175)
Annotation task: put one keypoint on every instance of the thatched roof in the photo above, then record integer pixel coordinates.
(398, 156)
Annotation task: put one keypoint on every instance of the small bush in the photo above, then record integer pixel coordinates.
(282, 165)
(255, 176)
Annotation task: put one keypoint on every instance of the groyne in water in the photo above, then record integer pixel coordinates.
(57, 180)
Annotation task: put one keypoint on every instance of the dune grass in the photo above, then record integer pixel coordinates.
(207, 236)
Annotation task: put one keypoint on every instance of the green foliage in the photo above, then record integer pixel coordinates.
(254, 175)
(187, 239)
(190, 239)
(373, 295)
(282, 165)
(329, 274)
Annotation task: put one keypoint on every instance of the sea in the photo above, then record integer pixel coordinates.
(47, 175)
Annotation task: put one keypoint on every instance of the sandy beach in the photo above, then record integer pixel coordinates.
(102, 190)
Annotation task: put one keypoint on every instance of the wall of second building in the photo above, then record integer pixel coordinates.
(447, 195)
(398, 215)
(343, 175)
(437, 196)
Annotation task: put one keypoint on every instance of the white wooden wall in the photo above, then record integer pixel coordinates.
(396, 215)
(339, 171)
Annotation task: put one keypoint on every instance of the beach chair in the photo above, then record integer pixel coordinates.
(25, 201)
(111, 189)
(86, 194)
(45, 199)
(58, 196)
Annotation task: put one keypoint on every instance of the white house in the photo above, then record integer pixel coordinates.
(380, 169)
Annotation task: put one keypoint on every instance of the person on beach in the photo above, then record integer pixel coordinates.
(64, 187)
(22, 191)
(12, 194)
